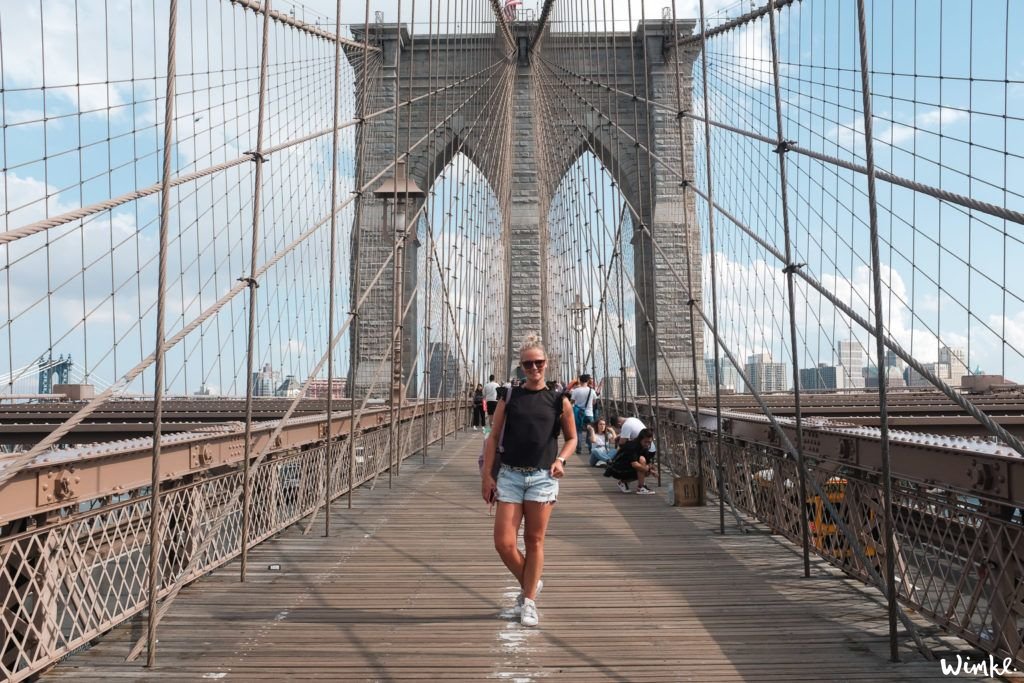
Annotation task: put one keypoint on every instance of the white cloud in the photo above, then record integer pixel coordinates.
(936, 120)
(850, 134)
(753, 318)
(82, 44)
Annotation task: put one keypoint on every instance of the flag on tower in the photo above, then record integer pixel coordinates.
(511, 8)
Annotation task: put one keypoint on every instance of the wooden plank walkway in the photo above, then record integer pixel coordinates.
(409, 587)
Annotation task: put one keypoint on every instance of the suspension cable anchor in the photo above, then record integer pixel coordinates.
(250, 282)
(692, 302)
(784, 146)
(257, 156)
(685, 182)
(792, 268)
(682, 113)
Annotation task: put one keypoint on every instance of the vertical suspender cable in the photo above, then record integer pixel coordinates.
(328, 447)
(256, 199)
(356, 259)
(397, 253)
(876, 276)
(161, 307)
(687, 234)
(425, 389)
(655, 378)
(790, 287)
(719, 473)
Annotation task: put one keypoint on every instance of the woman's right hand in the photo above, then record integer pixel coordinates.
(488, 488)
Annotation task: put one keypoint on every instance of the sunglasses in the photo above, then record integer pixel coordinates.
(530, 364)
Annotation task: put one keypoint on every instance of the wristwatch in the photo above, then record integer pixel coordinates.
(560, 459)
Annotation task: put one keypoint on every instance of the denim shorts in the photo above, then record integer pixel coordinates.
(515, 486)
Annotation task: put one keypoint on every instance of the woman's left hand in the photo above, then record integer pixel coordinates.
(557, 469)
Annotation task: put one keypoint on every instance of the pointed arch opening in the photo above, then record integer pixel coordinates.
(591, 296)
(461, 275)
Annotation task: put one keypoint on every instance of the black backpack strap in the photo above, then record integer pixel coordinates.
(504, 425)
(559, 406)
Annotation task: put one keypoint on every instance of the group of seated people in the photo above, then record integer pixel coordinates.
(624, 455)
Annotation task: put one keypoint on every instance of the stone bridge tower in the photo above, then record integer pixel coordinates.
(501, 93)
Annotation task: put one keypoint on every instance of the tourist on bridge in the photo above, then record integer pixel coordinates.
(629, 430)
(491, 397)
(524, 440)
(630, 464)
(582, 397)
(478, 407)
(601, 438)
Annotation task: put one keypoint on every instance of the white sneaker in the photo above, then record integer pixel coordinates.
(521, 597)
(623, 486)
(529, 615)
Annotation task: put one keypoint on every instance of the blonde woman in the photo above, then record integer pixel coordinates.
(524, 441)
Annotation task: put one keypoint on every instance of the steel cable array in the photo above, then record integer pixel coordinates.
(782, 201)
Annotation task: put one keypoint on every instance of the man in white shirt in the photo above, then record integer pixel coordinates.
(491, 397)
(629, 428)
(582, 398)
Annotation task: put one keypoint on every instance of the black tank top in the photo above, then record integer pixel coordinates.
(532, 422)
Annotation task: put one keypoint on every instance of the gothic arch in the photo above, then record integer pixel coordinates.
(620, 163)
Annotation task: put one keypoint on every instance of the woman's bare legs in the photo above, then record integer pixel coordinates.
(537, 516)
(506, 536)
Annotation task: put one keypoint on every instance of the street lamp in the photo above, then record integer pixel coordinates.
(401, 189)
(578, 310)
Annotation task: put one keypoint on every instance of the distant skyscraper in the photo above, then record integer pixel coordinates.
(317, 388)
(727, 374)
(893, 361)
(289, 388)
(894, 378)
(764, 375)
(851, 364)
(265, 382)
(952, 365)
(915, 379)
(822, 378)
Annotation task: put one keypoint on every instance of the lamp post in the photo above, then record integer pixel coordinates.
(578, 309)
(400, 190)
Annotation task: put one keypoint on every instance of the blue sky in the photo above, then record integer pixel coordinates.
(944, 115)
(949, 273)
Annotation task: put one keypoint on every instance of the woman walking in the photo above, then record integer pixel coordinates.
(524, 441)
(478, 407)
(602, 443)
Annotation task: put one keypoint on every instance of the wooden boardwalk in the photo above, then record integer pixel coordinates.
(409, 587)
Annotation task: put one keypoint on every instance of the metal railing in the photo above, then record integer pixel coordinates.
(66, 582)
(959, 551)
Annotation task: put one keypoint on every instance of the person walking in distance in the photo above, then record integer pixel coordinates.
(524, 442)
(478, 407)
(491, 398)
(582, 398)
